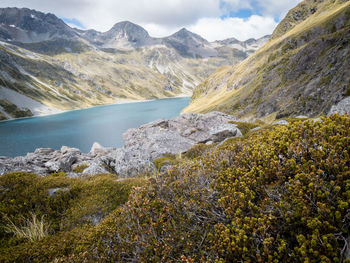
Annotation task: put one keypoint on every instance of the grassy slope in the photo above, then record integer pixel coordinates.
(240, 89)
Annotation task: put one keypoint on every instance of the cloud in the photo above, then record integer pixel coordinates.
(274, 8)
(163, 17)
(242, 29)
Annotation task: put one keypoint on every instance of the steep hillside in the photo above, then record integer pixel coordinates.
(302, 70)
(48, 66)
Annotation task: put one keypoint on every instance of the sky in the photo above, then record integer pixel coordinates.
(212, 19)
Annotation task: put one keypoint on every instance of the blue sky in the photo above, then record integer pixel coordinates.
(73, 22)
(212, 19)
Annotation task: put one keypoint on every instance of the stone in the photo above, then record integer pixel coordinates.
(255, 129)
(280, 122)
(54, 191)
(151, 141)
(96, 167)
(98, 150)
(72, 175)
(3, 169)
(342, 107)
(53, 166)
(43, 151)
(221, 132)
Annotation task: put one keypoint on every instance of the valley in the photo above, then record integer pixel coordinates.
(61, 68)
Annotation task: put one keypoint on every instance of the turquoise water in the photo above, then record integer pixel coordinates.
(81, 128)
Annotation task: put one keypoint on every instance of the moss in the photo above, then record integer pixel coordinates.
(198, 150)
(347, 92)
(70, 213)
(80, 168)
(167, 159)
(58, 174)
(245, 127)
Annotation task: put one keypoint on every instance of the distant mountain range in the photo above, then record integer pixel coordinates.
(48, 66)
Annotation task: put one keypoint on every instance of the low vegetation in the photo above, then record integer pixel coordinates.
(80, 168)
(13, 110)
(34, 229)
(280, 194)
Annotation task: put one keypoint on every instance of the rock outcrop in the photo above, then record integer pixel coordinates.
(150, 141)
(142, 146)
(342, 107)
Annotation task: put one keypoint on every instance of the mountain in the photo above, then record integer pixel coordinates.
(189, 44)
(38, 32)
(29, 26)
(48, 66)
(123, 35)
(249, 46)
(302, 70)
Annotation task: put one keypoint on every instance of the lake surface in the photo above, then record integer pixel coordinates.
(81, 128)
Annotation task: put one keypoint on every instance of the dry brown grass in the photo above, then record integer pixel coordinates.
(34, 228)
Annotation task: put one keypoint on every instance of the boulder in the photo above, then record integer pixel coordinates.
(98, 150)
(149, 142)
(96, 167)
(342, 107)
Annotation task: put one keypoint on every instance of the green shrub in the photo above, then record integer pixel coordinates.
(198, 150)
(80, 168)
(279, 195)
(167, 159)
(245, 127)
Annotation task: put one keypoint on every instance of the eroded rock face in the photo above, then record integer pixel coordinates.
(142, 146)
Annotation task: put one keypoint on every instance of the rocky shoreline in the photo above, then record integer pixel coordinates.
(142, 146)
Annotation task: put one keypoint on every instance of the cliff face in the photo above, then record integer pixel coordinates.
(302, 70)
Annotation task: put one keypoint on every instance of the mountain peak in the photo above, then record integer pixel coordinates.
(129, 28)
(184, 33)
(19, 24)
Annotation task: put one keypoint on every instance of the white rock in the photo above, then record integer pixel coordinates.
(342, 107)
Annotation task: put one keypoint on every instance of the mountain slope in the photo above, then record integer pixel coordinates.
(302, 70)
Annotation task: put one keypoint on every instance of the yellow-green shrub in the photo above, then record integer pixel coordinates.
(279, 195)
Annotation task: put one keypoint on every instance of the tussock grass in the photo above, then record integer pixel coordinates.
(34, 228)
